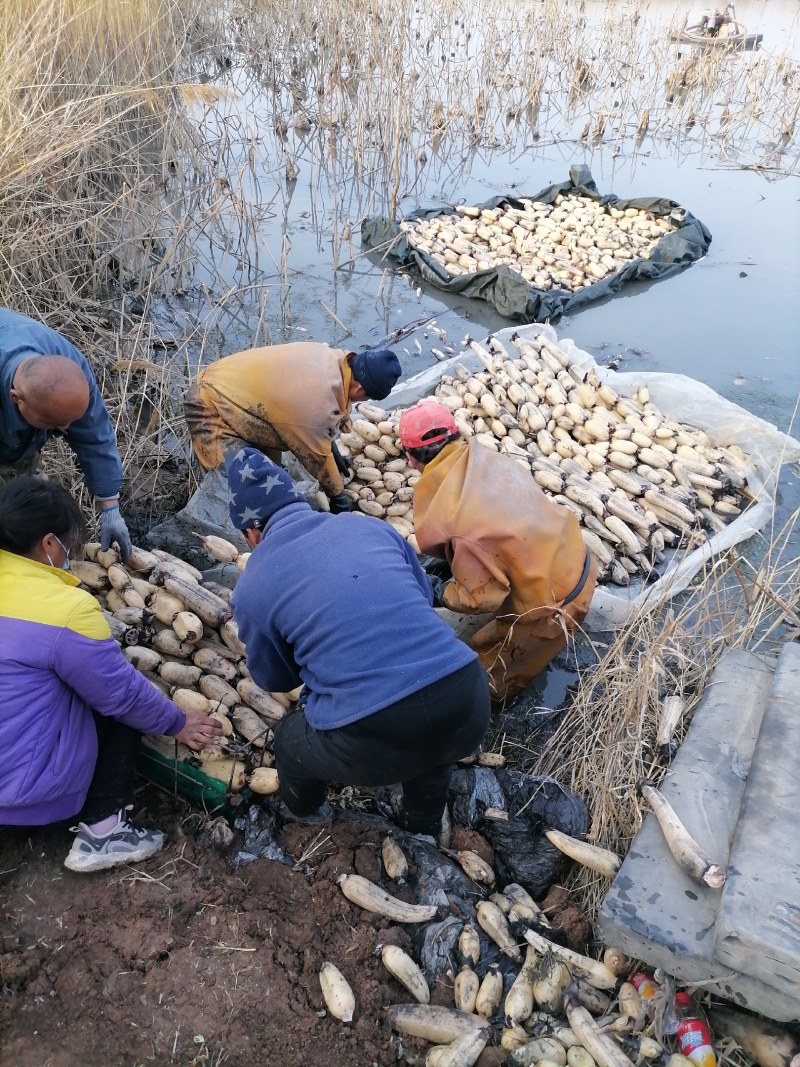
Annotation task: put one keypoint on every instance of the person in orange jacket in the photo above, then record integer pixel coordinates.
(286, 398)
(512, 552)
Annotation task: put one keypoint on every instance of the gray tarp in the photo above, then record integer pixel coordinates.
(509, 293)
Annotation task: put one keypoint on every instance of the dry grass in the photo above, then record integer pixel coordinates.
(109, 201)
(146, 146)
(606, 740)
(88, 129)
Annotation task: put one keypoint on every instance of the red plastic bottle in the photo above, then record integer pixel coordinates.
(645, 985)
(693, 1035)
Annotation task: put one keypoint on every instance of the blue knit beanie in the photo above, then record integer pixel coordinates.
(258, 488)
(377, 370)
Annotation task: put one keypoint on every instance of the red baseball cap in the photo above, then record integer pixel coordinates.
(426, 423)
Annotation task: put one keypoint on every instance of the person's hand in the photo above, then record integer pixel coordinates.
(438, 586)
(342, 465)
(340, 504)
(113, 528)
(199, 730)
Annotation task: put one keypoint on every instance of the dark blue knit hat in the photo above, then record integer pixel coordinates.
(258, 488)
(377, 370)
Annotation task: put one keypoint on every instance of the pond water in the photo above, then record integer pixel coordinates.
(731, 320)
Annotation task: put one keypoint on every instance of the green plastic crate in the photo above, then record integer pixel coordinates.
(179, 776)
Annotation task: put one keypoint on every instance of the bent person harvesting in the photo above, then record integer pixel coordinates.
(512, 552)
(47, 388)
(342, 606)
(286, 398)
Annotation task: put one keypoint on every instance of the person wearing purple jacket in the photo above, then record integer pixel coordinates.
(73, 708)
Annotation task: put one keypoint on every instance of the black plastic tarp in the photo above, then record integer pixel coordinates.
(509, 293)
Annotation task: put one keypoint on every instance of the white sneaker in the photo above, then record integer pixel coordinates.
(127, 842)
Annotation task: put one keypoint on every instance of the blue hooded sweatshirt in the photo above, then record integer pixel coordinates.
(340, 603)
(91, 437)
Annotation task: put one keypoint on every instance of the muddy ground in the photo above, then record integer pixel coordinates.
(184, 960)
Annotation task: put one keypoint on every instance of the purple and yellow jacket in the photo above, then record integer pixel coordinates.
(58, 662)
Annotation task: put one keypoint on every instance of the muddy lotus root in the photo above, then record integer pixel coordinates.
(570, 244)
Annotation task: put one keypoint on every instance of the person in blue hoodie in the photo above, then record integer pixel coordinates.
(47, 387)
(341, 605)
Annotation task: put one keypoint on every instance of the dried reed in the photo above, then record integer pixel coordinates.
(390, 87)
(108, 198)
(87, 129)
(606, 739)
(145, 149)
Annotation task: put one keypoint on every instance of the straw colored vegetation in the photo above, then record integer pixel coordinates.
(88, 132)
(87, 129)
(145, 145)
(105, 185)
(606, 741)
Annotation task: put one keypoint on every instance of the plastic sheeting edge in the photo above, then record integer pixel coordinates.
(699, 405)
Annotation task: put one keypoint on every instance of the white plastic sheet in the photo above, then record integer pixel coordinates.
(682, 398)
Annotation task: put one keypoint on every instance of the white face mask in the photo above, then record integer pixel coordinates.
(65, 565)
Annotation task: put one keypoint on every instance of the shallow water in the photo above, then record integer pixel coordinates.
(732, 320)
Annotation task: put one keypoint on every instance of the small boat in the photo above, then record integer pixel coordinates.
(718, 30)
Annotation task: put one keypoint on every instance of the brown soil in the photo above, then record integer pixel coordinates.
(182, 960)
(464, 838)
(566, 917)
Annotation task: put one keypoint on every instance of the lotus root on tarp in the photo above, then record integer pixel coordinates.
(534, 804)
(508, 292)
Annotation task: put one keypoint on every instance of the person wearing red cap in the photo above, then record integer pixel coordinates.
(512, 552)
(286, 398)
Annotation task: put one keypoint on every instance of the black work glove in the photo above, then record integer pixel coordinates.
(437, 585)
(342, 465)
(340, 504)
(438, 567)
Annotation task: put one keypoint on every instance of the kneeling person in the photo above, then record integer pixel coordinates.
(513, 553)
(73, 707)
(341, 605)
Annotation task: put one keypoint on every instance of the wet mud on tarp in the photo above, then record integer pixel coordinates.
(509, 293)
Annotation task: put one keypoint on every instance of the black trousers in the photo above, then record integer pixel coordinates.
(440, 568)
(111, 787)
(414, 742)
